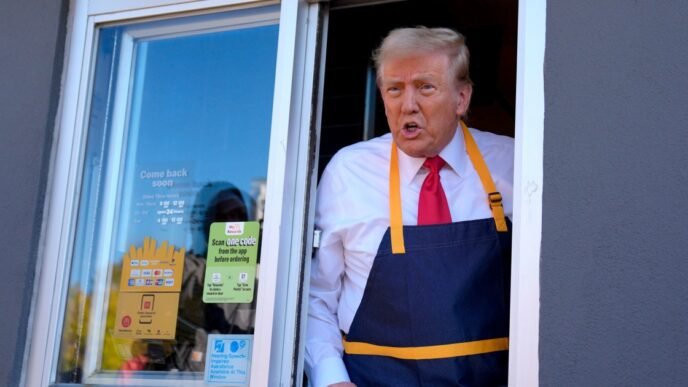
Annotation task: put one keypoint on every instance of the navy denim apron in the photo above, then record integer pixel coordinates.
(451, 286)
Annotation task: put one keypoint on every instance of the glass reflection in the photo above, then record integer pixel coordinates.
(194, 151)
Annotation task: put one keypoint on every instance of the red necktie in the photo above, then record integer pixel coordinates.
(432, 204)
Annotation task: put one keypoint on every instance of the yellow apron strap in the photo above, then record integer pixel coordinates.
(396, 226)
(494, 198)
(428, 352)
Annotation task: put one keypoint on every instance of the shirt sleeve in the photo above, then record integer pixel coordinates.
(324, 364)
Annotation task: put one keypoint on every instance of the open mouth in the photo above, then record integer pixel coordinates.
(411, 129)
(411, 126)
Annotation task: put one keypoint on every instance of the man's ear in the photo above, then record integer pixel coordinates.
(465, 92)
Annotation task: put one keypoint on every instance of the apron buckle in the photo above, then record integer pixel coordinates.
(495, 199)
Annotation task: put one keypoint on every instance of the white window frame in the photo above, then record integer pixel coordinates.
(525, 266)
(286, 199)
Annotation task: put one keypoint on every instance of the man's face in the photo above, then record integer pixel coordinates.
(423, 102)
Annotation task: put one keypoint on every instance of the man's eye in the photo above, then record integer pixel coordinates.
(427, 87)
(393, 90)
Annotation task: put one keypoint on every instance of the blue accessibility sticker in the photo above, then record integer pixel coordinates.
(228, 360)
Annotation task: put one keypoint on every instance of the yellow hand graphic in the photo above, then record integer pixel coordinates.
(149, 251)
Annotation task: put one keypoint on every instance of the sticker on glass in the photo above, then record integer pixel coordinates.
(230, 273)
(228, 360)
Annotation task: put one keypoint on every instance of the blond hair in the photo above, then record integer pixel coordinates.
(402, 42)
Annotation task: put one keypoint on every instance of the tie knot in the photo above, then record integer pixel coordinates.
(434, 163)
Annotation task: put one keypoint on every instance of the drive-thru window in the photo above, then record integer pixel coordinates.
(179, 230)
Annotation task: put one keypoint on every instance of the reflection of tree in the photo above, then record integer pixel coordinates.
(74, 334)
(76, 331)
(115, 351)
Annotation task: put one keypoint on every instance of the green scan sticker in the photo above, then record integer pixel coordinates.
(230, 272)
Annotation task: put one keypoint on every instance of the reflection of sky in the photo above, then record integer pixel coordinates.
(208, 99)
(201, 103)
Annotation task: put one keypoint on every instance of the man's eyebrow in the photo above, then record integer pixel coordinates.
(390, 82)
(416, 78)
(425, 77)
(391, 79)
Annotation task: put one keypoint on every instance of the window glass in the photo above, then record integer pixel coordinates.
(178, 136)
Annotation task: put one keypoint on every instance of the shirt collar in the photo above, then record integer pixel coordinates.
(454, 154)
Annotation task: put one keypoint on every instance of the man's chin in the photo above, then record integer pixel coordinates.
(411, 150)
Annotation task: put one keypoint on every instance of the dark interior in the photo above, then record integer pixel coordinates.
(490, 27)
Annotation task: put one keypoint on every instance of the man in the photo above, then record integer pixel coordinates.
(426, 304)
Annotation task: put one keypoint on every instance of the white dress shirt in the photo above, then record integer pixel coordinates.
(352, 211)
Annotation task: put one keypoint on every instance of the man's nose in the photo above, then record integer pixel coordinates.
(409, 103)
